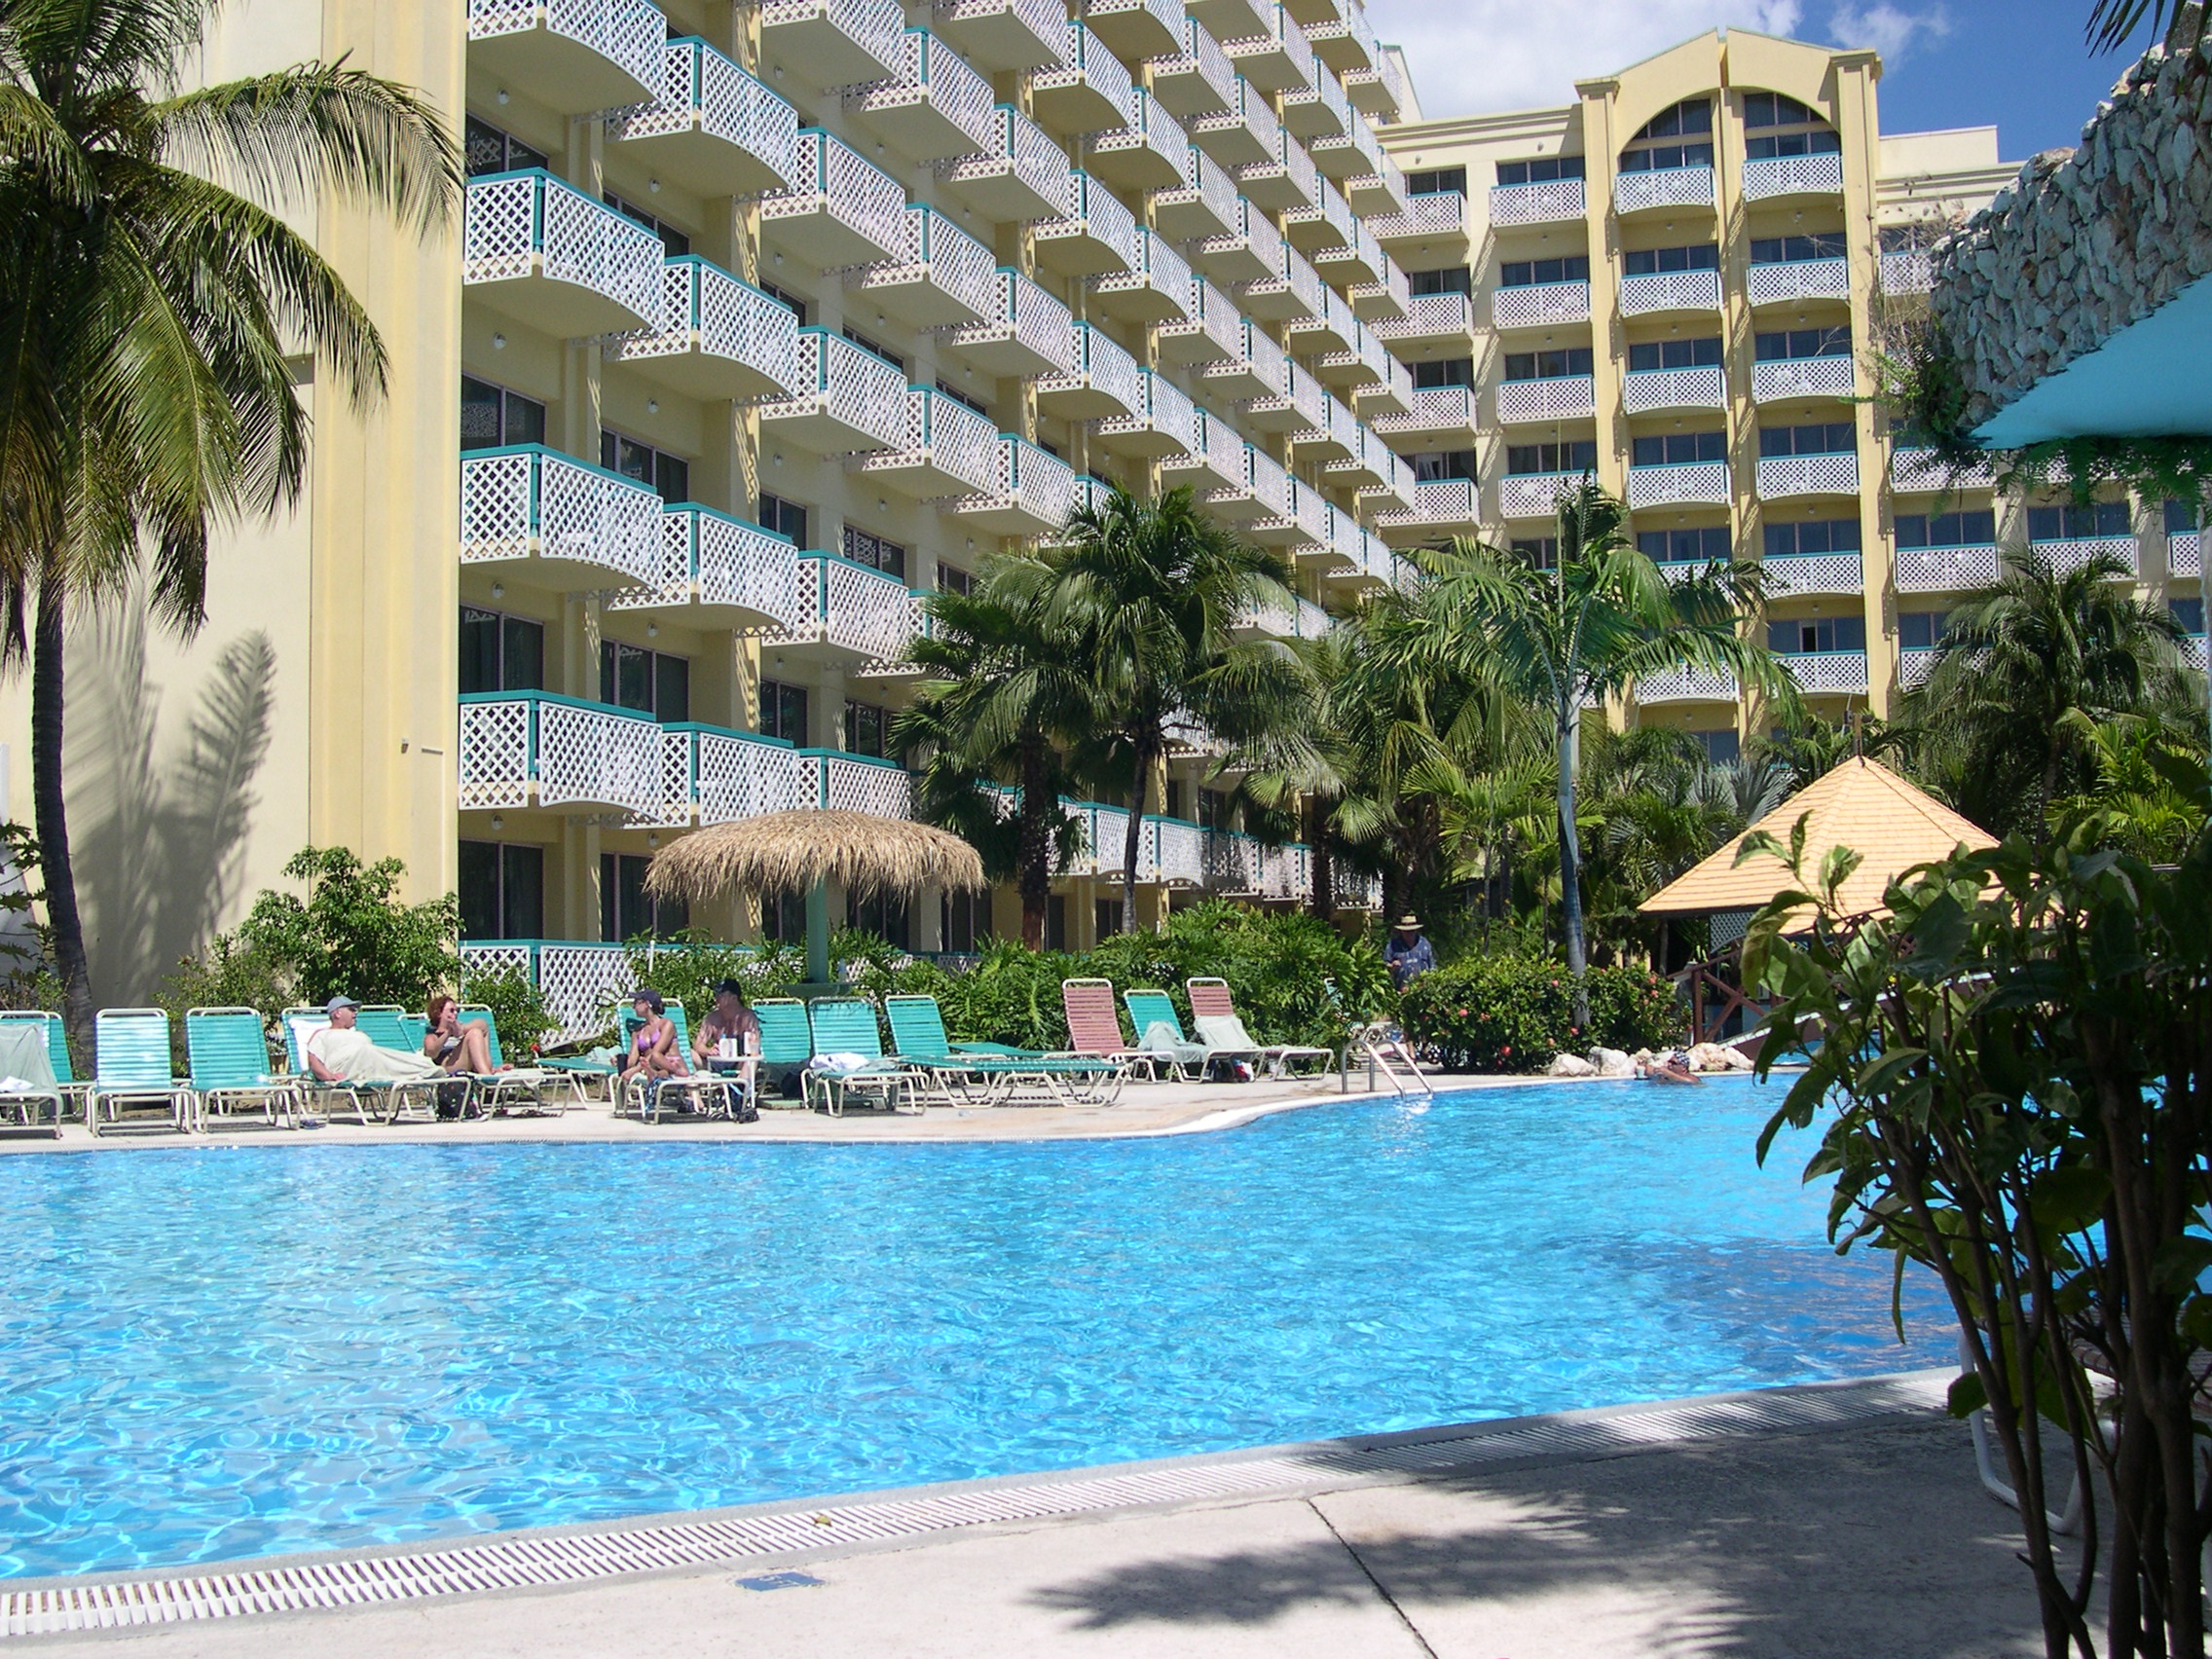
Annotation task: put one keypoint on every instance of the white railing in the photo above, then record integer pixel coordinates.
(1324, 116)
(1435, 408)
(1024, 151)
(1162, 410)
(1030, 483)
(1439, 501)
(1533, 495)
(1812, 573)
(531, 502)
(1024, 315)
(703, 91)
(736, 775)
(938, 254)
(708, 311)
(953, 449)
(628, 33)
(578, 981)
(1914, 664)
(872, 26)
(852, 607)
(1007, 34)
(1105, 838)
(1540, 305)
(1919, 470)
(537, 749)
(1800, 279)
(1803, 377)
(1430, 317)
(1200, 59)
(523, 224)
(1248, 120)
(1216, 458)
(848, 387)
(1381, 88)
(1291, 168)
(1767, 176)
(1279, 59)
(1645, 389)
(1907, 271)
(1204, 206)
(1559, 398)
(832, 181)
(1287, 873)
(1827, 671)
(1157, 270)
(1704, 482)
(860, 783)
(1102, 366)
(1670, 290)
(1088, 64)
(709, 558)
(1833, 474)
(1173, 853)
(1094, 212)
(1391, 293)
(1250, 230)
(1542, 202)
(2192, 651)
(1686, 685)
(1233, 861)
(1665, 187)
(1329, 219)
(1272, 488)
(1151, 129)
(2071, 552)
(938, 79)
(1210, 328)
(1945, 569)
(1393, 393)
(1432, 213)
(2185, 553)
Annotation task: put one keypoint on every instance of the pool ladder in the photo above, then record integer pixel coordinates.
(1387, 1060)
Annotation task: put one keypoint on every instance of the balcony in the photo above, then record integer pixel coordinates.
(947, 450)
(1021, 176)
(1393, 394)
(1171, 853)
(1334, 437)
(1293, 292)
(1827, 672)
(835, 43)
(1546, 201)
(1434, 320)
(1326, 224)
(714, 128)
(1441, 416)
(1232, 860)
(937, 107)
(840, 210)
(1783, 475)
(1354, 264)
(1095, 236)
(1320, 115)
(1907, 271)
(1695, 482)
(1441, 505)
(1135, 29)
(1163, 423)
(1800, 279)
(1331, 328)
(1540, 305)
(533, 749)
(848, 613)
(1380, 91)
(1286, 181)
(997, 35)
(1208, 332)
(1026, 334)
(1302, 527)
(1371, 472)
(1946, 570)
(1216, 459)
(847, 398)
(1152, 152)
(943, 279)
(1101, 384)
(1917, 471)
(1651, 391)
(856, 783)
(547, 255)
(1914, 665)
(581, 56)
(1258, 370)
(1277, 57)
(1560, 398)
(1667, 187)
(1803, 377)
(2185, 553)
(1088, 92)
(1032, 493)
(1794, 574)
(1245, 134)
(1379, 193)
(1249, 249)
(718, 339)
(1658, 292)
(739, 774)
(2192, 651)
(1686, 685)
(1196, 79)
(1207, 207)
(1105, 838)
(1435, 221)
(717, 572)
(1386, 300)
(1155, 289)
(567, 524)
(1269, 493)
(1771, 179)
(1365, 359)
(2071, 552)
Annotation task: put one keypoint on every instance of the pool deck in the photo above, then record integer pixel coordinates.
(1829, 1523)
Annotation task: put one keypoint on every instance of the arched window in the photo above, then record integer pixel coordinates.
(1777, 125)
(1679, 136)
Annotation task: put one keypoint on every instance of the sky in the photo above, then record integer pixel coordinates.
(2019, 64)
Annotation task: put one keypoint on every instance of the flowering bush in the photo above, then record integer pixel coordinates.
(1515, 1014)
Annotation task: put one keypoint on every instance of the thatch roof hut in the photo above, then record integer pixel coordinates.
(793, 852)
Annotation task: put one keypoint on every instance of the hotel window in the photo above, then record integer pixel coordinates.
(2189, 613)
(674, 241)
(502, 890)
(1437, 181)
(1793, 345)
(1560, 363)
(1790, 251)
(1807, 634)
(1678, 449)
(1677, 137)
(490, 416)
(1451, 280)
(783, 712)
(782, 917)
(874, 552)
(1920, 630)
(796, 305)
(1702, 354)
(500, 652)
(958, 396)
(669, 475)
(1528, 273)
(951, 578)
(1774, 109)
(2180, 518)
(874, 350)
(2068, 524)
(1579, 456)
(1442, 463)
(1540, 551)
(487, 150)
(967, 921)
(1658, 261)
(1722, 747)
(1538, 169)
(1445, 371)
(1826, 437)
(785, 518)
(625, 913)
(1815, 535)
(1946, 530)
(881, 915)
(867, 730)
(1213, 808)
(652, 682)
(1692, 546)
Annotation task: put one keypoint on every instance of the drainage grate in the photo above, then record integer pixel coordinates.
(581, 1557)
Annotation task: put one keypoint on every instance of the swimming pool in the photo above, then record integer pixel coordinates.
(223, 1351)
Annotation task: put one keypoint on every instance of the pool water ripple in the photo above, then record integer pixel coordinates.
(217, 1352)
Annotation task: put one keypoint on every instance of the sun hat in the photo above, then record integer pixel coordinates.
(339, 1002)
(1413, 922)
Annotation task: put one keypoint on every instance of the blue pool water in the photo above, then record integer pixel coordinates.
(223, 1351)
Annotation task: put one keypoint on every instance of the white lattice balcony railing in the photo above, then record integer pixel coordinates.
(717, 337)
(577, 526)
(1096, 237)
(1216, 458)
(1105, 838)
(719, 571)
(1439, 503)
(548, 254)
(2185, 553)
(1381, 193)
(1533, 495)
(934, 108)
(1277, 58)
(1438, 412)
(858, 783)
(1669, 292)
(1273, 489)
(1379, 91)
(1155, 289)
(1914, 664)
(1150, 152)
(1366, 469)
(1027, 333)
(1803, 377)
(1364, 357)
(1355, 888)
(1396, 488)
(1032, 493)
(1163, 424)
(1196, 79)
(577, 55)
(1335, 433)
(1540, 305)
(840, 210)
(1907, 271)
(947, 450)
(713, 126)
(1318, 113)
(1796, 279)
(1827, 671)
(1834, 474)
(1245, 134)
(1205, 206)
(1393, 394)
(1812, 573)
(1208, 332)
(1091, 495)
(847, 398)
(1768, 176)
(997, 35)
(2071, 552)
(943, 279)
(1173, 853)
(1103, 383)
(1945, 569)
(1430, 317)
(533, 749)
(1088, 92)
(1546, 201)
(1286, 181)
(1232, 862)
(1667, 187)
(1431, 217)
(1695, 482)
(2192, 651)
(1390, 295)
(578, 980)
(836, 43)
(1292, 294)
(1560, 398)
(1353, 158)
(1357, 263)
(1286, 873)
(1918, 470)
(1325, 224)
(1686, 685)
(849, 611)
(1646, 390)
(1249, 250)
(741, 774)
(1022, 176)
(1135, 28)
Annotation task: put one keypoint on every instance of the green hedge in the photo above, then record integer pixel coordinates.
(1516, 1014)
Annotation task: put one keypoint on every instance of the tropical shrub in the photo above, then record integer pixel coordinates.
(518, 1009)
(1515, 1014)
(351, 935)
(685, 969)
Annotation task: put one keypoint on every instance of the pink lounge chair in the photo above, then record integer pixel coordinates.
(1095, 1028)
(1214, 1012)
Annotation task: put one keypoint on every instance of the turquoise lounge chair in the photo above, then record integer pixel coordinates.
(528, 1085)
(71, 1087)
(786, 1044)
(391, 1026)
(1152, 1008)
(228, 1055)
(710, 1095)
(132, 1069)
(846, 1026)
(318, 1098)
(1007, 1075)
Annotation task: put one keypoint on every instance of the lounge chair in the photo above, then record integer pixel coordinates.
(390, 1026)
(505, 1088)
(70, 1088)
(704, 1089)
(132, 1045)
(228, 1055)
(846, 1026)
(318, 1098)
(1151, 1011)
(786, 1044)
(1006, 1076)
(1214, 1012)
(1094, 1030)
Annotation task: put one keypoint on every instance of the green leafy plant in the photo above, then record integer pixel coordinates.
(1516, 1014)
(518, 1009)
(352, 935)
(685, 969)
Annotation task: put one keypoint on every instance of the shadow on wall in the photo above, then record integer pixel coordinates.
(159, 838)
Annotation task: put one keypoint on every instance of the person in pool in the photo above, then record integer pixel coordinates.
(1672, 1068)
(653, 1050)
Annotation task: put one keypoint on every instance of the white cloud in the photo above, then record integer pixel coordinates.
(1888, 30)
(1473, 57)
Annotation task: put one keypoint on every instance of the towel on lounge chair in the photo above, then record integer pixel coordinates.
(358, 1059)
(1224, 1031)
(1163, 1039)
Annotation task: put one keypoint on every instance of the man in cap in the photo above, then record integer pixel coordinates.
(342, 1052)
(1407, 952)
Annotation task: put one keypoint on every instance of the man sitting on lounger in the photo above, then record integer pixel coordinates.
(342, 1052)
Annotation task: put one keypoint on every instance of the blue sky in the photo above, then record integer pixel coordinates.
(2017, 63)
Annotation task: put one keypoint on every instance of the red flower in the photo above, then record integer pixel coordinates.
(1507, 1049)
(1463, 1014)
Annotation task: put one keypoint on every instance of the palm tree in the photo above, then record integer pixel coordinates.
(1566, 637)
(1152, 589)
(146, 311)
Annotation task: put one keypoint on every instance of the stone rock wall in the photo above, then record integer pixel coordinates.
(2088, 241)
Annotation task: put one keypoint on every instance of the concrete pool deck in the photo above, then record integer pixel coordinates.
(1794, 1524)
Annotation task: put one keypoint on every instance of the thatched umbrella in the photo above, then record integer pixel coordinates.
(787, 852)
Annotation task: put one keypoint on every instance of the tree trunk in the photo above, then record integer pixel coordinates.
(1570, 862)
(1142, 760)
(1323, 898)
(56, 875)
(1034, 875)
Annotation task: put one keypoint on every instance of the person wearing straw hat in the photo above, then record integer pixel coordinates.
(1407, 952)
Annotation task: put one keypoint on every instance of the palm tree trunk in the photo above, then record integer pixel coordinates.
(1571, 864)
(1034, 875)
(57, 875)
(1142, 758)
(1323, 898)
